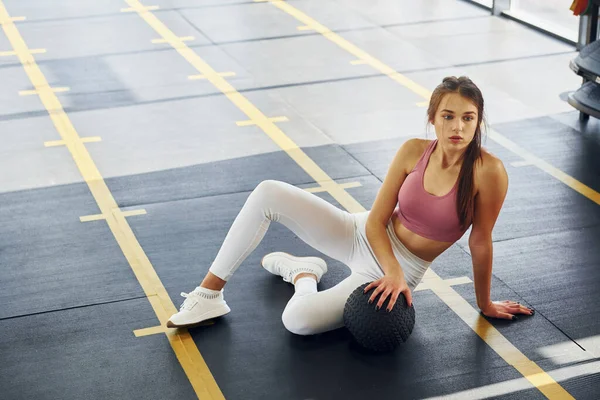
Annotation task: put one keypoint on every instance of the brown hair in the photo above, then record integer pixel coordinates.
(465, 87)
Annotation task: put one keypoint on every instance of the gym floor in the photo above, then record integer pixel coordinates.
(133, 133)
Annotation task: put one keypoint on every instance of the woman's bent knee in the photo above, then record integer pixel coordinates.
(294, 324)
(267, 191)
(298, 322)
(311, 318)
(269, 186)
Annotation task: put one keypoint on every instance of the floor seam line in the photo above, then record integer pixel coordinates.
(71, 308)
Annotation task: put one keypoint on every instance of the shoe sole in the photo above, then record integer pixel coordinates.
(316, 260)
(218, 312)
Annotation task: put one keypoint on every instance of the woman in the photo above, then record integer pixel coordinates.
(441, 187)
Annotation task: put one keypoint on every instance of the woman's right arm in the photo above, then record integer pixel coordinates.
(382, 210)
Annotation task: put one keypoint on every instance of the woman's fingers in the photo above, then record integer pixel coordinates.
(526, 310)
(506, 316)
(517, 308)
(408, 296)
(382, 298)
(393, 300)
(376, 292)
(371, 285)
(385, 290)
(507, 309)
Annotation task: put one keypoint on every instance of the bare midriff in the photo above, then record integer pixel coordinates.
(426, 249)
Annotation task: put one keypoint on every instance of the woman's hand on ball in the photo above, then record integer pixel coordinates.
(390, 285)
(506, 310)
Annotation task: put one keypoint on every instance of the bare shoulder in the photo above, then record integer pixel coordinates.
(411, 151)
(419, 145)
(489, 169)
(489, 163)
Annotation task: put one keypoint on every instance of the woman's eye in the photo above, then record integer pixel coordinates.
(468, 118)
(447, 116)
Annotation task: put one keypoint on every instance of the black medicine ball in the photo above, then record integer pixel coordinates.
(378, 330)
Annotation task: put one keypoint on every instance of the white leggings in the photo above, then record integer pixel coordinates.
(329, 230)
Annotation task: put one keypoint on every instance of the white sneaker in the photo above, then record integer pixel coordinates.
(288, 266)
(198, 307)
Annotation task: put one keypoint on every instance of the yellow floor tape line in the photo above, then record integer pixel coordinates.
(182, 343)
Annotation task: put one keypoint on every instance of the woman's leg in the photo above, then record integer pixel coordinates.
(310, 312)
(320, 224)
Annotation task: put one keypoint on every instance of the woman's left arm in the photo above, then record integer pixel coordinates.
(492, 184)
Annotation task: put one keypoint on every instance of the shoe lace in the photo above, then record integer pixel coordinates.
(191, 299)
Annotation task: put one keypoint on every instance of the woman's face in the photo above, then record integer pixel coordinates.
(455, 121)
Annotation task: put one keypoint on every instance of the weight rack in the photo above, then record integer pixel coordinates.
(587, 65)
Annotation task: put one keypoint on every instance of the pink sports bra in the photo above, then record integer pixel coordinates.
(423, 213)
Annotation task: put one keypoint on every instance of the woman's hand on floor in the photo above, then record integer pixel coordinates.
(390, 285)
(506, 310)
